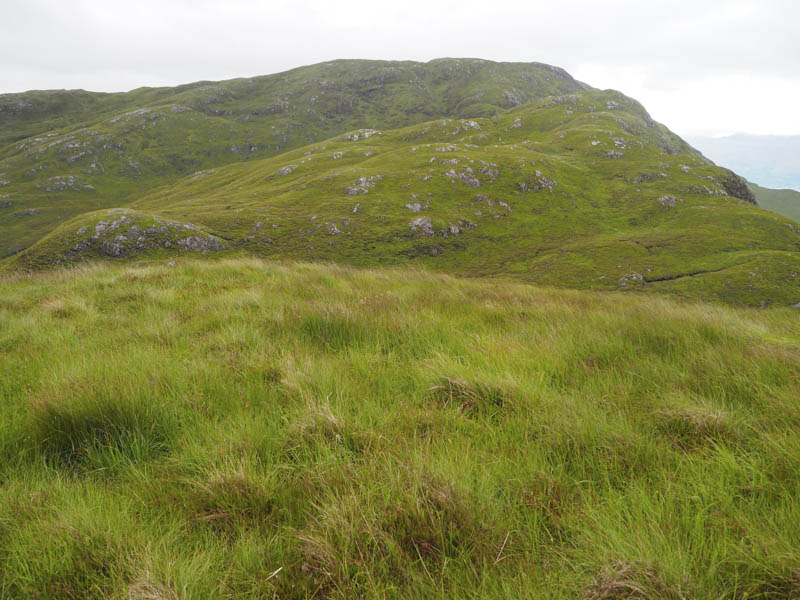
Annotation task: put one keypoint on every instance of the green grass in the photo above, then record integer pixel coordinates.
(530, 194)
(783, 202)
(249, 429)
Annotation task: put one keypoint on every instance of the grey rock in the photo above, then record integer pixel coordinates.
(464, 177)
(196, 243)
(422, 225)
(368, 181)
(354, 191)
(62, 183)
(285, 170)
(737, 187)
(668, 201)
(492, 174)
(363, 134)
(116, 247)
(414, 207)
(81, 247)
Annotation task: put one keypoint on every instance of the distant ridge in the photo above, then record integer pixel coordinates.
(66, 152)
(771, 161)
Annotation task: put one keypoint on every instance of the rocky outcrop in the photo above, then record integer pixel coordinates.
(737, 187)
(126, 233)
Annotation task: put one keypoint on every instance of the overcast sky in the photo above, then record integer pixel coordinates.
(700, 66)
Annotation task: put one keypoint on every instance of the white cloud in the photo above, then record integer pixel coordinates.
(698, 65)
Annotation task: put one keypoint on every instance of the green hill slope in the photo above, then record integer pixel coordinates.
(583, 190)
(783, 202)
(67, 152)
(242, 429)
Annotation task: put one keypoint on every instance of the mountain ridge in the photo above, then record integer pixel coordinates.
(148, 137)
(581, 188)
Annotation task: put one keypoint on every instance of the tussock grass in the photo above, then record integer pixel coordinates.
(245, 429)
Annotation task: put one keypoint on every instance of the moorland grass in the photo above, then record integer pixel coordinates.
(246, 429)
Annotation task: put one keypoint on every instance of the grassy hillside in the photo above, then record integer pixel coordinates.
(583, 190)
(242, 429)
(63, 153)
(783, 202)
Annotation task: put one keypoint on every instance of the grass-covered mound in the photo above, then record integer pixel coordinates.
(241, 429)
(114, 233)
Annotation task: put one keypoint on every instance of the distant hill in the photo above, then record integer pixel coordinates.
(769, 160)
(582, 190)
(783, 202)
(66, 152)
(465, 166)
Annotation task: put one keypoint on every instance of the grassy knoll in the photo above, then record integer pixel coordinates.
(246, 429)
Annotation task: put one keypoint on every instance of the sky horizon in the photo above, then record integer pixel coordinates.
(717, 68)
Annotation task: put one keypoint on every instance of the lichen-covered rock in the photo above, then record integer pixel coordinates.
(354, 191)
(286, 170)
(363, 134)
(200, 243)
(540, 182)
(62, 183)
(422, 225)
(465, 176)
(668, 201)
(368, 181)
(648, 177)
